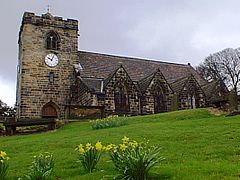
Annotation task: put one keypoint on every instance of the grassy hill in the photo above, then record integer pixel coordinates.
(195, 145)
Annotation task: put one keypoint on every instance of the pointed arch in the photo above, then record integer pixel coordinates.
(50, 110)
(191, 95)
(121, 97)
(155, 93)
(160, 99)
(52, 40)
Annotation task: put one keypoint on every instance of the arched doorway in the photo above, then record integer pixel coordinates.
(50, 110)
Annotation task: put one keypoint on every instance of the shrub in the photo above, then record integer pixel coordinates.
(89, 155)
(111, 121)
(42, 167)
(134, 160)
(3, 165)
(1, 128)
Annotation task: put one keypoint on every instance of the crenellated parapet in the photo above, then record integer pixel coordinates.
(49, 20)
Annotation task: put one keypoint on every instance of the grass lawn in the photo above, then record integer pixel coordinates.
(195, 145)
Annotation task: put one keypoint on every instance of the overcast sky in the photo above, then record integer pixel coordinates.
(179, 31)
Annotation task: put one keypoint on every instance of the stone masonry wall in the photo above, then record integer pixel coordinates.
(148, 96)
(191, 87)
(34, 89)
(81, 95)
(133, 94)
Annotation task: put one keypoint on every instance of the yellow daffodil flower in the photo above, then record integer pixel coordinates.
(109, 147)
(3, 154)
(98, 146)
(123, 147)
(81, 151)
(88, 146)
(78, 147)
(133, 144)
(125, 139)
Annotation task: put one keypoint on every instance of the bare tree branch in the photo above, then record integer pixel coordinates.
(223, 65)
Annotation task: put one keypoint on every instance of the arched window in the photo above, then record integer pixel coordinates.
(192, 97)
(121, 99)
(160, 104)
(191, 101)
(52, 41)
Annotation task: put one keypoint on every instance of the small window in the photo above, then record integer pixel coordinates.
(51, 77)
(52, 41)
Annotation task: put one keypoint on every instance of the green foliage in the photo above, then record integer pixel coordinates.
(42, 167)
(1, 127)
(6, 111)
(89, 155)
(133, 160)
(111, 121)
(3, 165)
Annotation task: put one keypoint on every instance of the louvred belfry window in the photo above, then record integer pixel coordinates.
(52, 41)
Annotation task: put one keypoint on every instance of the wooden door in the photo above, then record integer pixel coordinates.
(49, 111)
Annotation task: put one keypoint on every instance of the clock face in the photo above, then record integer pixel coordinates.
(51, 60)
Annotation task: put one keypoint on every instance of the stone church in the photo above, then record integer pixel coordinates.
(57, 80)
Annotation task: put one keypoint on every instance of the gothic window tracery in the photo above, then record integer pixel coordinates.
(121, 98)
(192, 96)
(191, 101)
(159, 100)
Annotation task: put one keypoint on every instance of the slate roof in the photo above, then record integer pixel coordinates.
(209, 87)
(93, 84)
(179, 83)
(211, 90)
(144, 83)
(97, 65)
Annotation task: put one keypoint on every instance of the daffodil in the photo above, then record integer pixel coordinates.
(81, 151)
(133, 144)
(3, 154)
(78, 147)
(88, 146)
(125, 139)
(109, 147)
(123, 147)
(98, 146)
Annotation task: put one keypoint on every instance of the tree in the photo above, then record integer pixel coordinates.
(6, 111)
(224, 66)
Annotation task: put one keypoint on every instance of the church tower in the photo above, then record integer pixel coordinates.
(48, 48)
